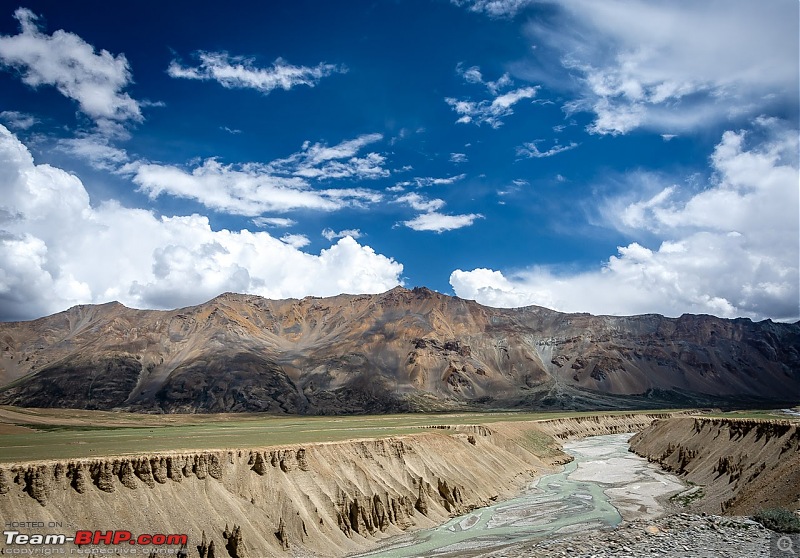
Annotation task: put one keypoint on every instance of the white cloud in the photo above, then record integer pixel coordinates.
(280, 186)
(296, 240)
(729, 250)
(96, 149)
(425, 181)
(420, 203)
(232, 131)
(458, 158)
(674, 66)
(431, 219)
(240, 72)
(530, 150)
(439, 222)
(331, 234)
(18, 120)
(473, 75)
(277, 222)
(490, 111)
(323, 162)
(68, 63)
(495, 8)
(57, 249)
(244, 190)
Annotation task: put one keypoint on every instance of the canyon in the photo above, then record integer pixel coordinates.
(340, 498)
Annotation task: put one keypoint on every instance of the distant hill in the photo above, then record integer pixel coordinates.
(403, 350)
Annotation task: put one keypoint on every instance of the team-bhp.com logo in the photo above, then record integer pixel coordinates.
(96, 538)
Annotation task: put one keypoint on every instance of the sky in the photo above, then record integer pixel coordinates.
(618, 157)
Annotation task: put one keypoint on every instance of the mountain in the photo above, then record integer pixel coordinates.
(403, 350)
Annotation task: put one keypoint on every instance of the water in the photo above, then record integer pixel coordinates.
(587, 494)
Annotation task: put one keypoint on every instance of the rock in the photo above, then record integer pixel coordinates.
(259, 465)
(235, 545)
(37, 483)
(200, 467)
(302, 460)
(174, 469)
(205, 548)
(285, 461)
(159, 469)
(422, 500)
(281, 535)
(80, 479)
(141, 468)
(3, 482)
(126, 476)
(215, 466)
(379, 515)
(103, 476)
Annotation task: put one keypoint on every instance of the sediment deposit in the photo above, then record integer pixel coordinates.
(738, 466)
(324, 499)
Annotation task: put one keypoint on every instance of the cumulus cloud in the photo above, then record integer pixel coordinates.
(65, 61)
(431, 219)
(331, 234)
(674, 66)
(58, 249)
(458, 158)
(420, 203)
(282, 185)
(296, 240)
(239, 72)
(531, 150)
(728, 250)
(439, 222)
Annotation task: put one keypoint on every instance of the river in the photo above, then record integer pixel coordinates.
(604, 484)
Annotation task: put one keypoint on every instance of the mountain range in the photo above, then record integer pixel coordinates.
(399, 351)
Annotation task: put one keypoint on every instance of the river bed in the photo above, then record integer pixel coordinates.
(602, 486)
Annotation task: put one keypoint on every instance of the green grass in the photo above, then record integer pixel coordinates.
(688, 496)
(778, 519)
(60, 441)
(769, 414)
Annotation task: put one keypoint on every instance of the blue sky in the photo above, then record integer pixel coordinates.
(617, 157)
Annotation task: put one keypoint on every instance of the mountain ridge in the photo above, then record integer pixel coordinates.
(402, 350)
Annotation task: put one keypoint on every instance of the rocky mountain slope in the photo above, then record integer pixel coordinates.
(402, 350)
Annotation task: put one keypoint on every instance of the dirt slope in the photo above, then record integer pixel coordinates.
(742, 465)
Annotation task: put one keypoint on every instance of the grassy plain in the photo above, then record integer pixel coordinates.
(41, 434)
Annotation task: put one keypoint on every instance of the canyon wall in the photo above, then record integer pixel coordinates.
(324, 499)
(738, 465)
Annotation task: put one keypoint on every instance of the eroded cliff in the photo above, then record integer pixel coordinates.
(738, 466)
(325, 499)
